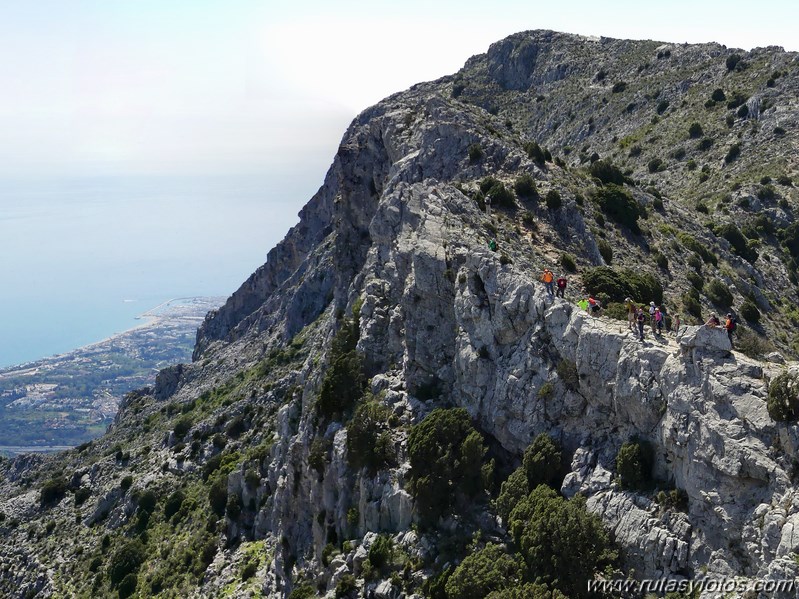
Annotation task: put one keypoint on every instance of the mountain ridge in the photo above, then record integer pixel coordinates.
(385, 303)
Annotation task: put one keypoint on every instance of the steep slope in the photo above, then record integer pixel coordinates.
(269, 464)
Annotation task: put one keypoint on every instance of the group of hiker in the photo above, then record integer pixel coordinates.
(550, 282)
(730, 323)
(637, 317)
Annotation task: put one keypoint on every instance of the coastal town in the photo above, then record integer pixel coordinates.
(68, 399)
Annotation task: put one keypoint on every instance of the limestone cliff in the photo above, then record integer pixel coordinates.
(228, 479)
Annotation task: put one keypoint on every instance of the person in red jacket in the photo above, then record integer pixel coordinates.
(561, 283)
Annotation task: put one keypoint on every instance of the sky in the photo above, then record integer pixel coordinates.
(226, 86)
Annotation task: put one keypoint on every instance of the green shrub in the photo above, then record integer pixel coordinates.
(535, 153)
(732, 61)
(182, 426)
(127, 586)
(126, 483)
(691, 305)
(695, 131)
(346, 587)
(751, 344)
(81, 495)
(567, 372)
(173, 504)
(718, 95)
(749, 311)
(718, 293)
(364, 433)
(475, 153)
(605, 250)
(560, 541)
(442, 450)
(732, 153)
(615, 310)
(525, 187)
(607, 172)
(692, 244)
(696, 280)
(783, 398)
(779, 131)
(489, 569)
(619, 205)
(660, 260)
(342, 385)
(655, 165)
(541, 462)
(634, 464)
(249, 569)
(53, 491)
(147, 501)
(785, 180)
(500, 195)
(620, 284)
(217, 496)
(304, 591)
(619, 87)
(512, 491)
(737, 240)
(381, 551)
(705, 144)
(126, 560)
(568, 263)
(553, 200)
(317, 454)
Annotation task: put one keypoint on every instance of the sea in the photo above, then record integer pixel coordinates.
(82, 256)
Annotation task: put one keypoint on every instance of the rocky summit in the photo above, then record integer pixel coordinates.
(391, 408)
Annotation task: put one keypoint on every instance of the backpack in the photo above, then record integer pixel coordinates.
(733, 324)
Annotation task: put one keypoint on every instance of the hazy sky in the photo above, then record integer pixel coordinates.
(236, 85)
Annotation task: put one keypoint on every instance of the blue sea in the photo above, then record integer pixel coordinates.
(81, 257)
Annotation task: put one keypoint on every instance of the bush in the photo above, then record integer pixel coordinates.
(127, 586)
(534, 152)
(249, 569)
(304, 591)
(606, 172)
(655, 165)
(541, 462)
(217, 496)
(691, 305)
(634, 464)
(605, 250)
(619, 205)
(346, 587)
(567, 371)
(81, 495)
(732, 153)
(381, 551)
(500, 195)
(126, 560)
(475, 153)
(783, 398)
(126, 483)
(568, 263)
(705, 144)
(182, 426)
(738, 242)
(749, 311)
(620, 284)
(343, 382)
(53, 491)
(662, 106)
(173, 504)
(553, 200)
(751, 344)
(446, 457)
(695, 131)
(718, 95)
(732, 61)
(525, 187)
(661, 260)
(619, 87)
(692, 244)
(560, 541)
(696, 280)
(364, 433)
(513, 490)
(489, 569)
(718, 293)
(317, 454)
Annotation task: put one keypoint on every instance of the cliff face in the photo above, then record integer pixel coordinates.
(248, 486)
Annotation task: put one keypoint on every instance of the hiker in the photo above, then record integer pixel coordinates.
(492, 245)
(652, 315)
(488, 205)
(713, 321)
(594, 305)
(676, 324)
(659, 321)
(549, 281)
(730, 324)
(631, 310)
(561, 283)
(640, 318)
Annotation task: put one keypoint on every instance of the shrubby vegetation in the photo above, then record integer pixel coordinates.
(619, 205)
(619, 284)
(500, 195)
(783, 398)
(369, 441)
(634, 464)
(541, 462)
(718, 293)
(607, 172)
(489, 569)
(525, 187)
(342, 385)
(446, 455)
